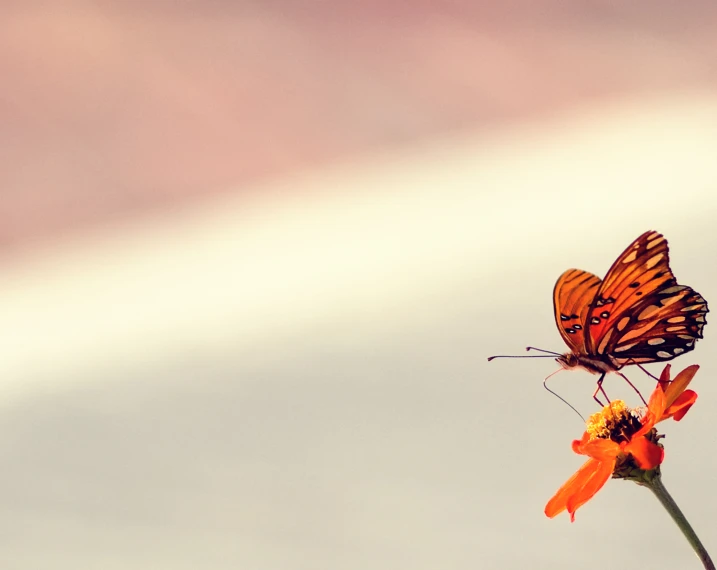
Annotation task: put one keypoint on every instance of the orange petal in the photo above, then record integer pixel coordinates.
(578, 444)
(601, 449)
(664, 380)
(679, 384)
(591, 486)
(681, 405)
(647, 454)
(648, 422)
(656, 407)
(574, 489)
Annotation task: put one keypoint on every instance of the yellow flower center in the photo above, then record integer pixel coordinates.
(615, 421)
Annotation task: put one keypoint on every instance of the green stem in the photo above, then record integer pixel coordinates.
(656, 486)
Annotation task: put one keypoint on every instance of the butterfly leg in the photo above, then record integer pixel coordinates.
(646, 371)
(632, 385)
(601, 390)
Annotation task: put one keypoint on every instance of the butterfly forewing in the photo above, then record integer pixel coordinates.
(644, 259)
(572, 296)
(640, 313)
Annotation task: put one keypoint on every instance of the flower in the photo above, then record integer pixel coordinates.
(622, 442)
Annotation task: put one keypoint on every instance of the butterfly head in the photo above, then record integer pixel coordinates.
(568, 360)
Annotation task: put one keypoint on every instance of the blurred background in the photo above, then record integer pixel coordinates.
(253, 257)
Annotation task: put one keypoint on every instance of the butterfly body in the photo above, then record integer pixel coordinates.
(591, 364)
(637, 314)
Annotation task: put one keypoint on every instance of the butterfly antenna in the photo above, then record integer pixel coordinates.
(543, 350)
(558, 396)
(520, 356)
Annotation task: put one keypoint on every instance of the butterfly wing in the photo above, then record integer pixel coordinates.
(640, 313)
(573, 294)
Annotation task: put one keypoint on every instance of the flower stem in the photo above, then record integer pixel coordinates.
(656, 486)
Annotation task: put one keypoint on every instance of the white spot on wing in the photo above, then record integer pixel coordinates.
(604, 341)
(625, 347)
(663, 354)
(655, 241)
(672, 299)
(655, 341)
(673, 289)
(654, 260)
(647, 312)
(639, 331)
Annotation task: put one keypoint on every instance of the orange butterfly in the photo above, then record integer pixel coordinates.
(637, 314)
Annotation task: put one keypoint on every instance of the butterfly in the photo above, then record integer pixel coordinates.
(637, 314)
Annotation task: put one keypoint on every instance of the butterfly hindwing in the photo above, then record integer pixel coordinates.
(665, 326)
(573, 294)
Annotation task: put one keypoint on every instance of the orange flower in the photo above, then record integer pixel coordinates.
(622, 442)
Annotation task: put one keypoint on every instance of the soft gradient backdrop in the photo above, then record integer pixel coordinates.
(253, 258)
